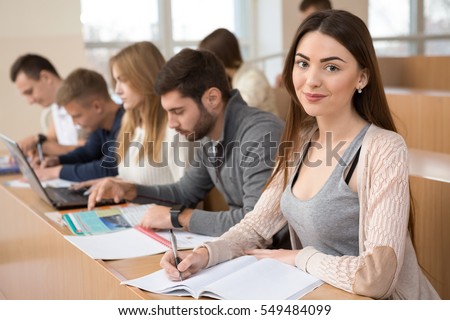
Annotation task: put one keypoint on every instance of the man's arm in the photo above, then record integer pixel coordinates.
(255, 166)
(52, 148)
(91, 151)
(91, 161)
(86, 171)
(189, 190)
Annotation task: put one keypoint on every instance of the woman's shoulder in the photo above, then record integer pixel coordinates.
(379, 140)
(248, 72)
(377, 135)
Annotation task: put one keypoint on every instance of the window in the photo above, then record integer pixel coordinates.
(205, 16)
(169, 24)
(423, 30)
(437, 25)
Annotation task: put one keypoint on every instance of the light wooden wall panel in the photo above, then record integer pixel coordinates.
(432, 234)
(420, 72)
(422, 118)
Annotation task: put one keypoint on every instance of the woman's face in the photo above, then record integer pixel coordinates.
(129, 96)
(325, 75)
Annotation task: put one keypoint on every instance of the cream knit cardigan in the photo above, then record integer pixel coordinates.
(387, 266)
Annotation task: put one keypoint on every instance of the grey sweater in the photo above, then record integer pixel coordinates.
(250, 140)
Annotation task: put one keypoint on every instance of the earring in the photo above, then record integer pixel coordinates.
(359, 90)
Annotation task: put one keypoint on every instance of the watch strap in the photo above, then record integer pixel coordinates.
(174, 214)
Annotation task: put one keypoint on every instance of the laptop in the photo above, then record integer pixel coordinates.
(61, 198)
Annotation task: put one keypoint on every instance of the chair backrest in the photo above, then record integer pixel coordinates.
(282, 100)
(214, 201)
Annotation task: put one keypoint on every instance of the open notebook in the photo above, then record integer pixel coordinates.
(243, 278)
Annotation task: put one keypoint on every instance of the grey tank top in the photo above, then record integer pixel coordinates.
(329, 221)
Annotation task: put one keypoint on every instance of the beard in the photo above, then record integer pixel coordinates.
(203, 126)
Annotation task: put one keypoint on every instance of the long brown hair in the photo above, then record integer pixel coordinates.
(225, 46)
(139, 63)
(371, 105)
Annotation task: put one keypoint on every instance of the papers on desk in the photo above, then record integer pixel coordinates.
(242, 278)
(55, 183)
(6, 167)
(111, 233)
(84, 222)
(133, 242)
(104, 219)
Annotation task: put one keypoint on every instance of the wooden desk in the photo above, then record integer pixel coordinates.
(36, 262)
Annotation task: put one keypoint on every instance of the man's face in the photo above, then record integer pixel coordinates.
(186, 116)
(85, 114)
(35, 91)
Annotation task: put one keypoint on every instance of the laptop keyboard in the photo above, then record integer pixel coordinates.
(65, 195)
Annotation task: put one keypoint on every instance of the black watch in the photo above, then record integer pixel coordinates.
(174, 213)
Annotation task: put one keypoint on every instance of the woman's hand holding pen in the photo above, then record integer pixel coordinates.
(191, 263)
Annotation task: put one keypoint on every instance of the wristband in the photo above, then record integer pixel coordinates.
(175, 211)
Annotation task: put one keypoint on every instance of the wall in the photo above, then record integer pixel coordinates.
(290, 15)
(276, 24)
(48, 27)
(416, 72)
(52, 28)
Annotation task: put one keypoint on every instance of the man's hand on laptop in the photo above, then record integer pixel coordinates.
(86, 185)
(111, 188)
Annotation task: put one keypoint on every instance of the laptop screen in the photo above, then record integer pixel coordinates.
(25, 167)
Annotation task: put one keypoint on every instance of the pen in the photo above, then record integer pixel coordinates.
(41, 140)
(40, 153)
(173, 243)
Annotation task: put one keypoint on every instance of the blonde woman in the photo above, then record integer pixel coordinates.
(149, 150)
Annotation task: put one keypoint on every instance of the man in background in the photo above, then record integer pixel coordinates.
(38, 81)
(85, 95)
(307, 7)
